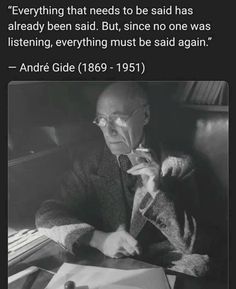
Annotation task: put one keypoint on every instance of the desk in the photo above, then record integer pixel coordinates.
(52, 256)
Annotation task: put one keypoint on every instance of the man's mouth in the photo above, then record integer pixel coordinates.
(115, 142)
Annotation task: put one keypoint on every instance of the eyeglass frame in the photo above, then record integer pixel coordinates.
(127, 117)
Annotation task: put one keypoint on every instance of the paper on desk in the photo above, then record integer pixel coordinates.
(171, 279)
(99, 277)
(116, 286)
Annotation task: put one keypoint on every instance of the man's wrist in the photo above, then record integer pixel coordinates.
(97, 239)
(154, 193)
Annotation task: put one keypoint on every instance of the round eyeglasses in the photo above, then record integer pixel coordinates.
(116, 120)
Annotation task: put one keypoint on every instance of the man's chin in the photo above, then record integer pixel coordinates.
(118, 148)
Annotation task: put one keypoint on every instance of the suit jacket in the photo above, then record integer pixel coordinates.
(92, 198)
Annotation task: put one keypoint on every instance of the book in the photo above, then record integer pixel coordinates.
(23, 243)
(32, 277)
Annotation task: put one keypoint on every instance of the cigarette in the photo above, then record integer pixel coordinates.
(143, 150)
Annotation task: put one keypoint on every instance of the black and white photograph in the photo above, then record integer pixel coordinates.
(128, 175)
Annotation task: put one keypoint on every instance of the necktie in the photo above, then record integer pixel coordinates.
(125, 162)
(128, 179)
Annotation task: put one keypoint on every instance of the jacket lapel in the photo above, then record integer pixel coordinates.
(137, 221)
(109, 192)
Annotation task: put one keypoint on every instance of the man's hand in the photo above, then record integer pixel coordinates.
(179, 167)
(148, 169)
(151, 171)
(116, 244)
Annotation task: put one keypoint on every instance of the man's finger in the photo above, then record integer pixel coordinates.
(150, 171)
(176, 171)
(124, 251)
(118, 255)
(165, 170)
(129, 249)
(142, 154)
(137, 167)
(132, 242)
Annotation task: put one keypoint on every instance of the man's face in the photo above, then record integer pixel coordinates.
(121, 139)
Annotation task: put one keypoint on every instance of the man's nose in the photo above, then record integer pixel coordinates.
(110, 130)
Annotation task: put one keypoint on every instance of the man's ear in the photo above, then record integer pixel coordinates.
(146, 114)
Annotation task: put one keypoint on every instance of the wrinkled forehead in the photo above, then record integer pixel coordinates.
(118, 99)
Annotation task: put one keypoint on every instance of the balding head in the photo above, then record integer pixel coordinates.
(128, 91)
(129, 101)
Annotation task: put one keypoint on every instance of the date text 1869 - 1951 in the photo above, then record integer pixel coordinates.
(128, 67)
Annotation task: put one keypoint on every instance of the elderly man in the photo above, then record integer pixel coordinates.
(128, 195)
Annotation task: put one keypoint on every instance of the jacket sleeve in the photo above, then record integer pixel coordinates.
(174, 211)
(63, 219)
